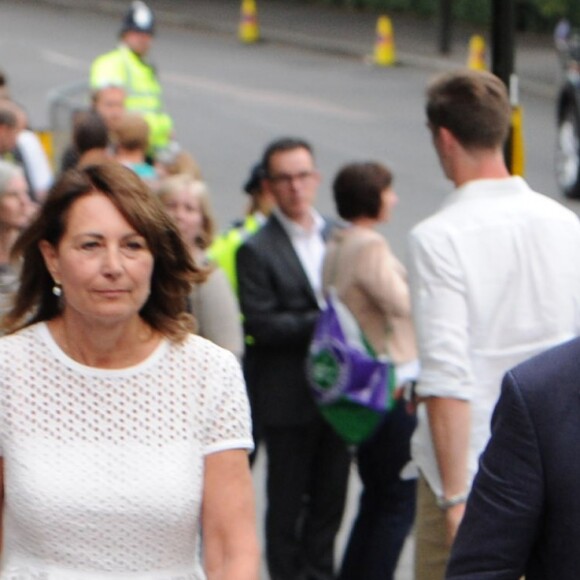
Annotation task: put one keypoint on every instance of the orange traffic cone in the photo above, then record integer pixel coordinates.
(385, 43)
(249, 30)
(476, 57)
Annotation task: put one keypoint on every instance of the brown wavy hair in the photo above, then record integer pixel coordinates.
(174, 271)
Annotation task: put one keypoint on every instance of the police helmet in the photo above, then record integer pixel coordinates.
(139, 17)
(254, 181)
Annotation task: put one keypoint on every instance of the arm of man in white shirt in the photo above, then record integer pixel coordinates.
(449, 421)
(441, 320)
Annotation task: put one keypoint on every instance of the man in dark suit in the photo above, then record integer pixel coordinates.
(279, 275)
(523, 513)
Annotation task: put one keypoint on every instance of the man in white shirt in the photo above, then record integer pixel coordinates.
(279, 273)
(495, 280)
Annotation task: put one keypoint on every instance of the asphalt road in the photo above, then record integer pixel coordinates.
(229, 100)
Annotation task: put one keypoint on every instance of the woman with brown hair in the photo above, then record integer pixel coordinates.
(372, 283)
(121, 432)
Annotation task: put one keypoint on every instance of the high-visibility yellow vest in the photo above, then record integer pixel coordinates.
(225, 247)
(122, 67)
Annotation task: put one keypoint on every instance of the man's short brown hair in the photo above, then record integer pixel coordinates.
(132, 132)
(473, 105)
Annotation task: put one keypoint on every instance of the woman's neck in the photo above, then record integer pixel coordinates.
(130, 156)
(365, 222)
(101, 345)
(7, 238)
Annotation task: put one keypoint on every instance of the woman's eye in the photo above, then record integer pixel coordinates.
(135, 245)
(90, 245)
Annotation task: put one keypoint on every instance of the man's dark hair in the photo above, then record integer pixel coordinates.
(473, 105)
(283, 144)
(7, 115)
(90, 132)
(358, 189)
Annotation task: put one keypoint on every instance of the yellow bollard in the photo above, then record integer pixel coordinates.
(476, 57)
(46, 141)
(249, 30)
(385, 43)
(517, 142)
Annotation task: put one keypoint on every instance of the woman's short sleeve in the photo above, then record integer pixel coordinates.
(228, 421)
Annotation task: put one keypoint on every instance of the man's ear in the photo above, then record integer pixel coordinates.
(446, 137)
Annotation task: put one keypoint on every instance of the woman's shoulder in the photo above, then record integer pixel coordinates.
(26, 336)
(360, 239)
(197, 348)
(22, 348)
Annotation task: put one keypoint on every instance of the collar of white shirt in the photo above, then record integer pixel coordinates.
(487, 188)
(294, 229)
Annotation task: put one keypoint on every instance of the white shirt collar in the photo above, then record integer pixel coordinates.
(295, 230)
(485, 188)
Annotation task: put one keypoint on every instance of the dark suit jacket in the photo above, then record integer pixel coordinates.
(523, 514)
(280, 311)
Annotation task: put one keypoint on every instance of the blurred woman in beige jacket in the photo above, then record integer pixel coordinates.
(372, 283)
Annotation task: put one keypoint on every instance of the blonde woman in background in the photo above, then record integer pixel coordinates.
(16, 210)
(213, 303)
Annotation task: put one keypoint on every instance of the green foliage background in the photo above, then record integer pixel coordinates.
(537, 15)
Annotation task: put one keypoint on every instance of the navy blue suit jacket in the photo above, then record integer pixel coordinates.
(523, 514)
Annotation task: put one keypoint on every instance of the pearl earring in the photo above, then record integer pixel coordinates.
(57, 290)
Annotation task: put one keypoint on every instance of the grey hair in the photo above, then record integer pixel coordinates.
(7, 172)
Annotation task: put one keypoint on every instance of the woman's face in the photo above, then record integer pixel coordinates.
(102, 263)
(185, 208)
(389, 200)
(15, 204)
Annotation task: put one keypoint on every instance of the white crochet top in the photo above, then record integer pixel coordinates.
(103, 469)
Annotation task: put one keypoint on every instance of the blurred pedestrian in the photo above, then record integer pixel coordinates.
(122, 432)
(127, 67)
(372, 283)
(31, 156)
(562, 32)
(493, 283)
(261, 202)
(8, 130)
(109, 103)
(15, 213)
(91, 139)
(280, 288)
(26, 151)
(174, 160)
(131, 138)
(213, 303)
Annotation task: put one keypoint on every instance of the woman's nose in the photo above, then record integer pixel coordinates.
(112, 261)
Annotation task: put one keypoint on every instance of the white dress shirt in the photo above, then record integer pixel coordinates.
(495, 279)
(309, 246)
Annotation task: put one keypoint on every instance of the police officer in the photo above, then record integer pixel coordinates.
(126, 67)
(224, 247)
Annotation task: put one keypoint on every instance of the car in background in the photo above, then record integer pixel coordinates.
(567, 162)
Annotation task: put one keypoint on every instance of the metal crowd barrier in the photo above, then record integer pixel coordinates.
(64, 103)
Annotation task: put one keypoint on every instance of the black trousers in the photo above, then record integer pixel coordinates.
(387, 502)
(308, 468)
